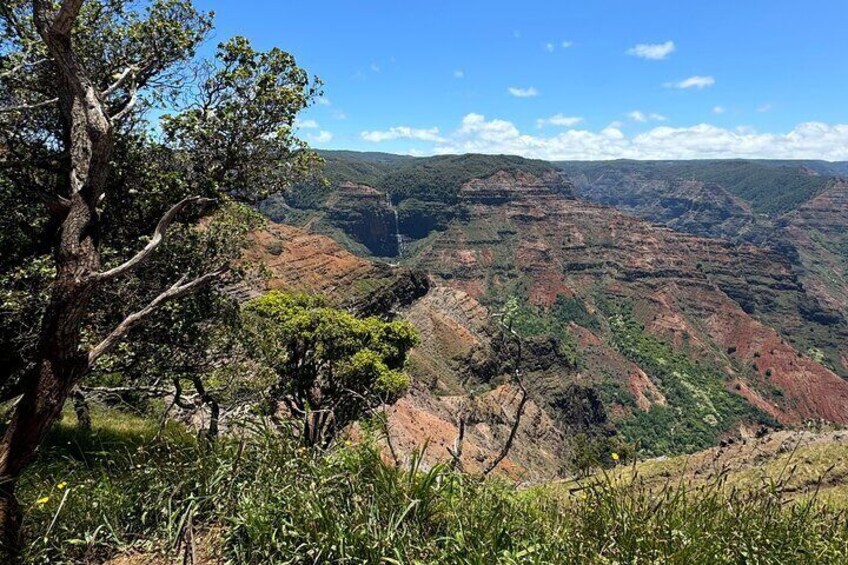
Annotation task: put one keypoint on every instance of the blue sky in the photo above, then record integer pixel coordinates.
(566, 80)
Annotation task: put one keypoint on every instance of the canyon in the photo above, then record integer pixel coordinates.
(664, 312)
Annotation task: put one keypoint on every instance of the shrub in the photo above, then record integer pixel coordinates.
(272, 501)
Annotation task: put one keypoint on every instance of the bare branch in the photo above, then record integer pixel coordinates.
(512, 432)
(128, 106)
(101, 391)
(158, 237)
(519, 382)
(25, 107)
(129, 71)
(214, 408)
(178, 290)
(20, 66)
(456, 450)
(119, 80)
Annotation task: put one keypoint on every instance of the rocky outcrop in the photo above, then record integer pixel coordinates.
(407, 286)
(365, 214)
(687, 205)
(741, 309)
(819, 232)
(503, 187)
(294, 260)
(688, 290)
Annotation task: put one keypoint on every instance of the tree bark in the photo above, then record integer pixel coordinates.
(60, 362)
(82, 410)
(60, 359)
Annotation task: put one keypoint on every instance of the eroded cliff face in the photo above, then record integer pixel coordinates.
(366, 215)
(737, 307)
(456, 331)
(631, 324)
(819, 231)
(686, 205)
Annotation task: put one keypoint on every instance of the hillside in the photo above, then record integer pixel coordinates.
(638, 330)
(818, 232)
(770, 187)
(374, 202)
(806, 462)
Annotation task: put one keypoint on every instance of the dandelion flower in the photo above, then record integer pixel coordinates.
(614, 456)
(42, 501)
(62, 485)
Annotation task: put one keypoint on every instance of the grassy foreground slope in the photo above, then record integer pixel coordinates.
(122, 493)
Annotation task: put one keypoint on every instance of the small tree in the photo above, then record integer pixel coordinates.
(333, 367)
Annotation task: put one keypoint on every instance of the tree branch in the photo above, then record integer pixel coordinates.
(519, 381)
(178, 290)
(119, 79)
(129, 71)
(456, 450)
(512, 432)
(24, 107)
(64, 19)
(128, 105)
(158, 237)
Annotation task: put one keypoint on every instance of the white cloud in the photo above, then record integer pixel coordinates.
(306, 124)
(523, 92)
(339, 115)
(653, 51)
(812, 140)
(322, 137)
(765, 108)
(549, 47)
(323, 101)
(637, 116)
(459, 73)
(402, 132)
(718, 110)
(642, 117)
(559, 120)
(696, 81)
(375, 67)
(567, 44)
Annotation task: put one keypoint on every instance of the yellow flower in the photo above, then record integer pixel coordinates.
(62, 485)
(614, 456)
(42, 501)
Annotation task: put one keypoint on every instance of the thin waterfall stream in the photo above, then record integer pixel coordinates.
(398, 236)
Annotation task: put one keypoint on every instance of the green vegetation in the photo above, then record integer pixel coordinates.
(771, 187)
(440, 178)
(426, 179)
(699, 409)
(531, 322)
(264, 499)
(331, 366)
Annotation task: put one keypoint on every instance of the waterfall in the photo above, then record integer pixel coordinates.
(398, 236)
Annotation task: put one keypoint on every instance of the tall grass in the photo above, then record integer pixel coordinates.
(269, 501)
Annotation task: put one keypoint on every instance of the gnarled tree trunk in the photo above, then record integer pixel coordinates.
(61, 360)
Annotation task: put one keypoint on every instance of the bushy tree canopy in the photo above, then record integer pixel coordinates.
(332, 366)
